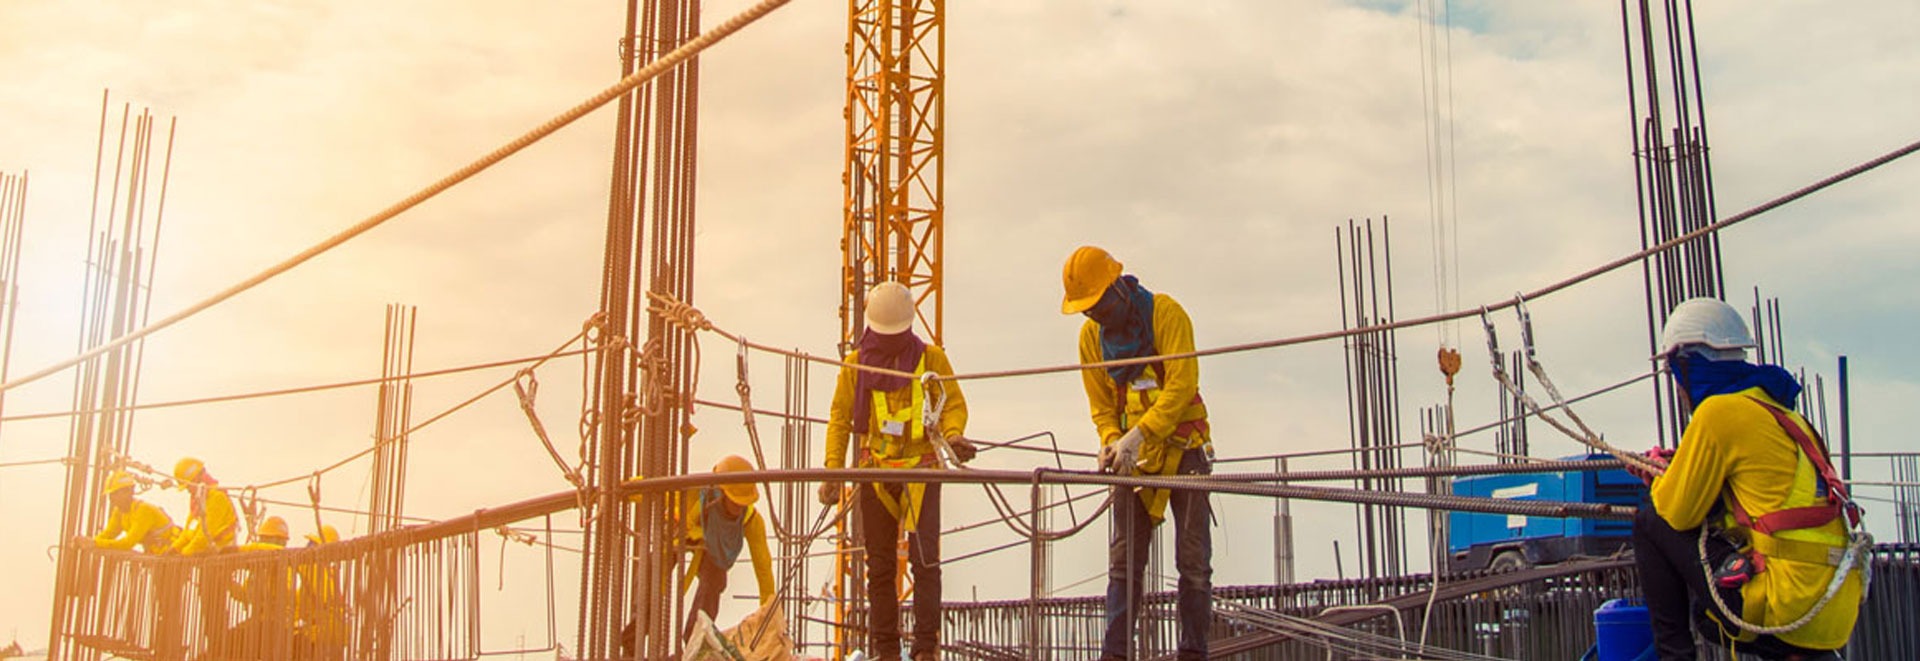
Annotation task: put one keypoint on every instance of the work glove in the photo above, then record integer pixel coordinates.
(1657, 456)
(963, 449)
(1122, 456)
(830, 493)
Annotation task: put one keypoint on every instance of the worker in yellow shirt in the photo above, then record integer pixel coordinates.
(267, 592)
(320, 617)
(1750, 483)
(132, 522)
(889, 415)
(211, 521)
(1151, 421)
(720, 521)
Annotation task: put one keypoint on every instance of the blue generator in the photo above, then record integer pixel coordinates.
(1501, 541)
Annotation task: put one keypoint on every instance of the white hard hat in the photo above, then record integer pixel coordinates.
(1706, 322)
(889, 308)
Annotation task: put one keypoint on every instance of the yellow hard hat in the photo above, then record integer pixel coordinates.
(274, 527)
(116, 481)
(327, 535)
(188, 470)
(741, 493)
(1087, 274)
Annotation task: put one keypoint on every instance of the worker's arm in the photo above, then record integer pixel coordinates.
(840, 420)
(222, 522)
(756, 530)
(953, 412)
(1698, 473)
(1100, 402)
(1172, 334)
(116, 536)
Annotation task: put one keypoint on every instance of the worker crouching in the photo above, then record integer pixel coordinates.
(1151, 421)
(888, 414)
(1748, 536)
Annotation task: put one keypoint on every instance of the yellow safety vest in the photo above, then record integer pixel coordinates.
(1133, 400)
(888, 436)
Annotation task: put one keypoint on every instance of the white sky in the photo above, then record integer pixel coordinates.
(1211, 148)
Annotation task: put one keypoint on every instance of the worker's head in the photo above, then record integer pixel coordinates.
(272, 531)
(119, 489)
(740, 494)
(188, 471)
(889, 308)
(326, 535)
(1699, 332)
(1089, 273)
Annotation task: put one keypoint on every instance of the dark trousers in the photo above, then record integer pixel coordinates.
(880, 534)
(712, 583)
(1676, 592)
(1131, 535)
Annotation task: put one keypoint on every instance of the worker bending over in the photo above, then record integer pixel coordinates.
(1151, 421)
(888, 415)
(720, 520)
(1750, 483)
(133, 522)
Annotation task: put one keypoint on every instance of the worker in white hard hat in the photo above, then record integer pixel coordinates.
(888, 414)
(132, 522)
(1151, 421)
(1752, 485)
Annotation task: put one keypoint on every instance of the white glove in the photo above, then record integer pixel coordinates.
(1126, 452)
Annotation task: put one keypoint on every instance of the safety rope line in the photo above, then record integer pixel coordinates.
(1859, 544)
(691, 318)
(297, 390)
(380, 443)
(625, 85)
(1584, 435)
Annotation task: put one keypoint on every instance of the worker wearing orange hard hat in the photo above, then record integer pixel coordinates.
(720, 521)
(132, 522)
(900, 422)
(211, 520)
(1151, 421)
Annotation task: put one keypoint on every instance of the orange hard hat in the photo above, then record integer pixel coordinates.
(326, 535)
(741, 493)
(1086, 277)
(188, 470)
(274, 527)
(116, 481)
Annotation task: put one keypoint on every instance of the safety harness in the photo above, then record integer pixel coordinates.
(1132, 400)
(892, 432)
(1829, 500)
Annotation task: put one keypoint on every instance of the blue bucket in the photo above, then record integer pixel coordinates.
(1622, 631)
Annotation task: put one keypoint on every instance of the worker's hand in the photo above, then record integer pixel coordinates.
(1656, 456)
(1126, 451)
(830, 493)
(963, 449)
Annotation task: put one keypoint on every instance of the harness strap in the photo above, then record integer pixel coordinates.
(1836, 503)
(1813, 553)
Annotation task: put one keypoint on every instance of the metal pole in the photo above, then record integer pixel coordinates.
(1846, 430)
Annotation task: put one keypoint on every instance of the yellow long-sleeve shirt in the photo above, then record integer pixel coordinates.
(953, 414)
(1172, 334)
(1733, 444)
(141, 524)
(754, 528)
(212, 531)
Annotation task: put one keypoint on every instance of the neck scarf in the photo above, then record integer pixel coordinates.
(899, 352)
(1702, 378)
(1125, 315)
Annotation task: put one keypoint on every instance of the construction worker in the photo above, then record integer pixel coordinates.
(211, 522)
(132, 522)
(888, 414)
(267, 592)
(719, 521)
(320, 618)
(270, 536)
(1751, 483)
(1151, 421)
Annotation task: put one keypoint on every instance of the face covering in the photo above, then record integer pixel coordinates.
(899, 352)
(1125, 315)
(1701, 377)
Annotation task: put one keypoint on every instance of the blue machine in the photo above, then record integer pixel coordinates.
(1502, 541)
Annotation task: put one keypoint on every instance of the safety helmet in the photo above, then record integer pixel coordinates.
(188, 470)
(116, 481)
(326, 535)
(1086, 276)
(274, 527)
(1705, 322)
(741, 493)
(889, 308)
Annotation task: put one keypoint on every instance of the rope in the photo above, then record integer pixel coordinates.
(619, 89)
(1860, 544)
(1441, 317)
(526, 393)
(1585, 435)
(380, 443)
(298, 390)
